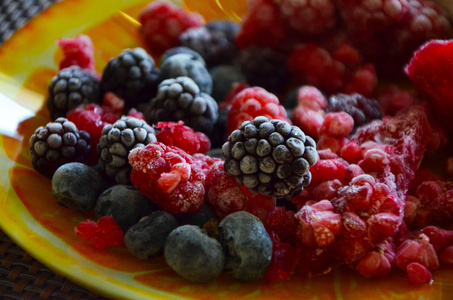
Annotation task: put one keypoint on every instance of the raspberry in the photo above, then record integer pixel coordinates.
(379, 262)
(103, 233)
(446, 256)
(181, 136)
(439, 238)
(365, 18)
(426, 68)
(77, 51)
(263, 25)
(328, 169)
(254, 102)
(361, 109)
(310, 17)
(419, 251)
(56, 144)
(309, 113)
(394, 99)
(264, 67)
(223, 193)
(163, 22)
(92, 118)
(260, 206)
(318, 224)
(283, 223)
(418, 273)
(339, 124)
(283, 263)
(153, 163)
(312, 64)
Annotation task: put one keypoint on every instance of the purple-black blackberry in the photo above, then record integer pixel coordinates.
(362, 110)
(270, 157)
(71, 87)
(264, 67)
(132, 76)
(117, 141)
(180, 99)
(56, 144)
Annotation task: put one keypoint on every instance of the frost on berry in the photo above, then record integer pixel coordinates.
(103, 233)
(77, 51)
(161, 174)
(223, 194)
(378, 262)
(338, 124)
(318, 224)
(181, 136)
(163, 22)
(419, 251)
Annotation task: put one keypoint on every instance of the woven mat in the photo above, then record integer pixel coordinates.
(21, 276)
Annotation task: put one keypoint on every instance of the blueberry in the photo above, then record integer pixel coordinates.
(204, 215)
(77, 186)
(178, 50)
(146, 238)
(125, 203)
(223, 79)
(215, 152)
(195, 256)
(247, 245)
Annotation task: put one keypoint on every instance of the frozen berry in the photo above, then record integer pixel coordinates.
(418, 273)
(181, 136)
(78, 51)
(195, 256)
(163, 22)
(146, 238)
(125, 204)
(103, 233)
(247, 245)
(56, 144)
(71, 87)
(223, 79)
(77, 186)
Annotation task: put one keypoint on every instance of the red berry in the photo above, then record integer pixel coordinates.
(163, 22)
(338, 124)
(260, 206)
(419, 251)
(77, 51)
(283, 263)
(418, 274)
(103, 233)
(283, 223)
(379, 262)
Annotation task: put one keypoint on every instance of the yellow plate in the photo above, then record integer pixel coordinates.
(30, 215)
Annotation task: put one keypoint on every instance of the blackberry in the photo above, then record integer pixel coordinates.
(180, 99)
(179, 50)
(264, 67)
(361, 109)
(117, 141)
(187, 65)
(71, 87)
(56, 144)
(270, 157)
(214, 42)
(132, 76)
(223, 79)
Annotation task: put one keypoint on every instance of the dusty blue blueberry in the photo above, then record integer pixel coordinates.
(125, 203)
(77, 186)
(247, 245)
(185, 65)
(195, 256)
(223, 79)
(179, 50)
(147, 238)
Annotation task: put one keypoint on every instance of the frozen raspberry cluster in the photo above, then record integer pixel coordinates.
(299, 140)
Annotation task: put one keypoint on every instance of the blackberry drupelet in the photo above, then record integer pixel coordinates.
(56, 144)
(180, 99)
(270, 157)
(214, 42)
(132, 76)
(117, 141)
(264, 67)
(71, 87)
(361, 109)
(187, 65)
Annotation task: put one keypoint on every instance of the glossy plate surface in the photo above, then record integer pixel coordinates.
(30, 215)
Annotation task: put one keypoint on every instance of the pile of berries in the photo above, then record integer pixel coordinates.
(196, 158)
